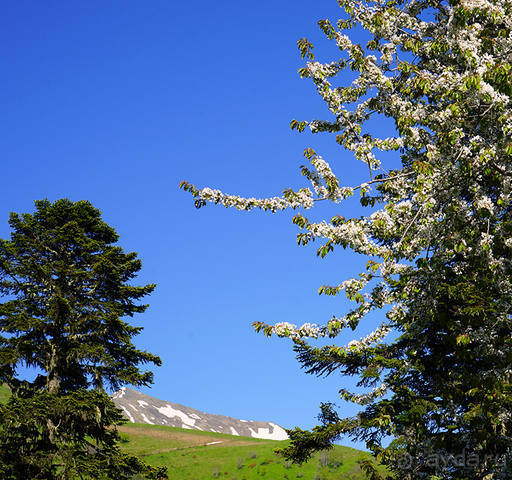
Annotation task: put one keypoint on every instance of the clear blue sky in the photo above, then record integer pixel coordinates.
(116, 102)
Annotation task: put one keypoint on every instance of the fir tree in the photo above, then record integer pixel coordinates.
(438, 235)
(67, 290)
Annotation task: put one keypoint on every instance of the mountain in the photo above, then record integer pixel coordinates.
(141, 408)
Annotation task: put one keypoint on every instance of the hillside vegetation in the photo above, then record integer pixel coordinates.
(196, 455)
(4, 393)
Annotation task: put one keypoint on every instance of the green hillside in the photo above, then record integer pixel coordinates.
(193, 455)
(4, 393)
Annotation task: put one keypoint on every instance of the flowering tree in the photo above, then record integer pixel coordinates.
(438, 236)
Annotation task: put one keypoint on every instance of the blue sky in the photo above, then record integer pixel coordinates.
(116, 102)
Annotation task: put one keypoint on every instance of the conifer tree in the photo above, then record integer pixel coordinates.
(438, 236)
(67, 290)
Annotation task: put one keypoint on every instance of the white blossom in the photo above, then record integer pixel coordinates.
(485, 203)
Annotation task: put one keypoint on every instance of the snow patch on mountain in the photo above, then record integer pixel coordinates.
(146, 420)
(277, 432)
(170, 412)
(128, 414)
(119, 393)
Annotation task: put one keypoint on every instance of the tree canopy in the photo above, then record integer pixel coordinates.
(67, 289)
(437, 235)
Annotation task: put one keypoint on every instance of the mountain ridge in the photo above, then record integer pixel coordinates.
(142, 408)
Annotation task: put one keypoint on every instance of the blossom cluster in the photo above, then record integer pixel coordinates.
(302, 198)
(307, 330)
(365, 398)
(371, 339)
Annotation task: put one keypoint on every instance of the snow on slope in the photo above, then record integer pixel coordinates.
(141, 408)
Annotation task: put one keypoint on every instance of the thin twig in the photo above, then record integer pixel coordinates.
(410, 224)
(380, 180)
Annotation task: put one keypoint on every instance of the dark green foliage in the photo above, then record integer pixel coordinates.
(66, 287)
(450, 379)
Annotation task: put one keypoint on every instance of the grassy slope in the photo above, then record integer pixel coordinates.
(4, 393)
(187, 456)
